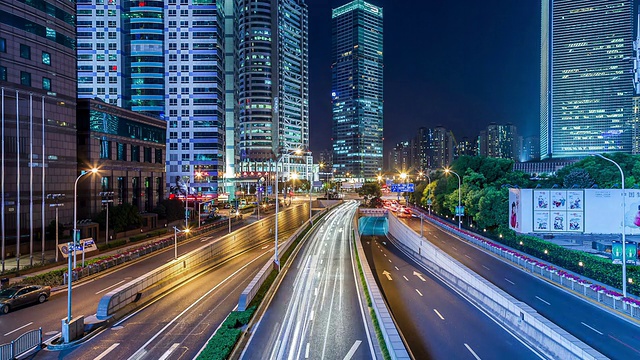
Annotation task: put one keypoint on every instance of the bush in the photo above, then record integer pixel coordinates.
(222, 343)
(112, 244)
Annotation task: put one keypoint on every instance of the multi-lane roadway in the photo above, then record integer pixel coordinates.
(610, 334)
(316, 312)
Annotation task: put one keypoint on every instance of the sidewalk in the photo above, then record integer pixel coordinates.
(10, 263)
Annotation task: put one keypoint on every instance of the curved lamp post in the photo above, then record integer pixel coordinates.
(459, 196)
(624, 247)
(276, 258)
(72, 248)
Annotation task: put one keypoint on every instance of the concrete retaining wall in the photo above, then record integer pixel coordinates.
(515, 315)
(144, 287)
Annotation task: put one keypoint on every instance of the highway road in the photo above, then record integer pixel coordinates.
(436, 321)
(609, 334)
(316, 313)
(86, 294)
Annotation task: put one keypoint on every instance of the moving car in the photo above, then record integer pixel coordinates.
(17, 296)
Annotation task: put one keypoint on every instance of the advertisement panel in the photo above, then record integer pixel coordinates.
(575, 220)
(540, 200)
(558, 200)
(575, 200)
(515, 214)
(541, 221)
(559, 220)
(86, 245)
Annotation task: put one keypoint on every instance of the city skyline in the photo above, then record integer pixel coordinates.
(431, 79)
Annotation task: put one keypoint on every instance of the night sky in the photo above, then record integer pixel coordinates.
(460, 64)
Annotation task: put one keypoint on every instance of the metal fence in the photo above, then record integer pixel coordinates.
(23, 344)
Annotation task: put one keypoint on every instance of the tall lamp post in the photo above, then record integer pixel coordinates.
(72, 248)
(175, 240)
(624, 243)
(458, 210)
(403, 176)
(56, 198)
(276, 259)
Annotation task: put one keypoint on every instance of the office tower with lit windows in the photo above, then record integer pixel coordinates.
(500, 141)
(271, 84)
(163, 59)
(587, 77)
(37, 122)
(357, 91)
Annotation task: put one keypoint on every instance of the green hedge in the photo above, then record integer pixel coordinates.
(594, 267)
(112, 244)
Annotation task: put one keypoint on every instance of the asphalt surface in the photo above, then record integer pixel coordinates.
(436, 321)
(315, 314)
(610, 334)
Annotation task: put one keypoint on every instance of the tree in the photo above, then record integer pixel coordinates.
(170, 209)
(579, 178)
(370, 192)
(491, 208)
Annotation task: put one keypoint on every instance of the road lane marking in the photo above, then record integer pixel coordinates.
(387, 274)
(438, 313)
(509, 281)
(389, 260)
(486, 267)
(396, 268)
(109, 287)
(467, 256)
(472, 352)
(419, 276)
(315, 292)
(264, 247)
(20, 328)
(544, 301)
(306, 352)
(591, 328)
(454, 248)
(418, 291)
(311, 315)
(167, 353)
(385, 255)
(353, 349)
(106, 352)
(405, 277)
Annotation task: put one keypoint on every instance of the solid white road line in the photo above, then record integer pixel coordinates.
(418, 291)
(306, 352)
(106, 352)
(20, 328)
(438, 313)
(107, 288)
(353, 349)
(472, 352)
(509, 281)
(591, 328)
(167, 353)
(544, 301)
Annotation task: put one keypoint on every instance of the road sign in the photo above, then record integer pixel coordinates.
(403, 187)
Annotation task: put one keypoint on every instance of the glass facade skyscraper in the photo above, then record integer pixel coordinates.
(164, 59)
(357, 92)
(587, 77)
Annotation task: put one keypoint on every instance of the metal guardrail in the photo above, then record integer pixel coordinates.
(23, 344)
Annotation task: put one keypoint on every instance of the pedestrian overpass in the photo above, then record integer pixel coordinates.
(373, 222)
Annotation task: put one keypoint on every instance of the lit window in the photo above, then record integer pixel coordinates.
(46, 84)
(25, 78)
(46, 58)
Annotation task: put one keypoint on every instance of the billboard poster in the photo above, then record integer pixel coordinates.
(575, 200)
(632, 251)
(541, 200)
(541, 221)
(632, 212)
(558, 219)
(515, 212)
(575, 220)
(616, 251)
(558, 200)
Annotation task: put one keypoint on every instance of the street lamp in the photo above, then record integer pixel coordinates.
(429, 193)
(107, 198)
(276, 259)
(403, 176)
(175, 240)
(56, 198)
(72, 248)
(624, 247)
(458, 210)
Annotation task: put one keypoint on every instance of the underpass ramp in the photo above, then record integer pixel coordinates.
(373, 225)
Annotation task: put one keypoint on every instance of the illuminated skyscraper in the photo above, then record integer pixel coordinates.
(164, 59)
(357, 95)
(587, 77)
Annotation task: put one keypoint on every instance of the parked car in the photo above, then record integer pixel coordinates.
(17, 296)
